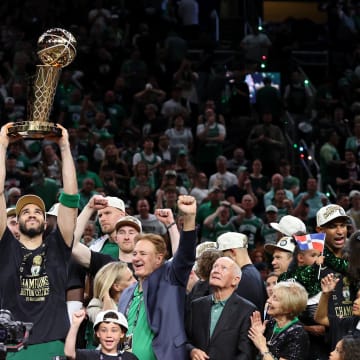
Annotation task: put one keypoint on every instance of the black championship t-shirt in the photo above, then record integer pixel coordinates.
(33, 285)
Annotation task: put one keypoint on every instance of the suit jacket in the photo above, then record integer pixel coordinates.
(164, 295)
(229, 340)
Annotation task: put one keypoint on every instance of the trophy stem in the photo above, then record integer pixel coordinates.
(46, 80)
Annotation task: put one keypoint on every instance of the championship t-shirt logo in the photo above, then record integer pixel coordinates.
(36, 266)
(34, 281)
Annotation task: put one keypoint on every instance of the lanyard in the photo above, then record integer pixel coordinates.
(137, 309)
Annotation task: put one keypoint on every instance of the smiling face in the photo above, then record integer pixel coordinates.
(146, 259)
(31, 220)
(275, 307)
(109, 335)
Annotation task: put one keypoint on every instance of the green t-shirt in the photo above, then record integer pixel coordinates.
(139, 328)
(204, 210)
(111, 249)
(251, 228)
(221, 229)
(89, 174)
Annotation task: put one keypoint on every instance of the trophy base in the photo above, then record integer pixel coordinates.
(34, 129)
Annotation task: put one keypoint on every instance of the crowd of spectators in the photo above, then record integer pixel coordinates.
(137, 105)
(147, 120)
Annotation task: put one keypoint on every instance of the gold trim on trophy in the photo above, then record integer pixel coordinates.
(56, 49)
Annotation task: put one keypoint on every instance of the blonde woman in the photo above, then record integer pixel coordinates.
(283, 337)
(109, 282)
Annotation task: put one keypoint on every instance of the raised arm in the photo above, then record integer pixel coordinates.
(187, 207)
(70, 342)
(328, 284)
(4, 142)
(69, 199)
(166, 216)
(184, 258)
(80, 252)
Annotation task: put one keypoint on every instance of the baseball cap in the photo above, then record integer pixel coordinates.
(14, 191)
(129, 221)
(329, 213)
(105, 135)
(54, 210)
(111, 316)
(271, 208)
(9, 100)
(115, 202)
(354, 193)
(170, 173)
(206, 245)
(29, 199)
(10, 212)
(232, 240)
(286, 243)
(289, 225)
(82, 158)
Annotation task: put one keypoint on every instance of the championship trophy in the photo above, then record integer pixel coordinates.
(56, 49)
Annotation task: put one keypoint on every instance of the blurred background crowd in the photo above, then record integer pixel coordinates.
(166, 98)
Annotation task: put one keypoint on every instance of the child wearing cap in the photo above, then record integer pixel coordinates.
(110, 328)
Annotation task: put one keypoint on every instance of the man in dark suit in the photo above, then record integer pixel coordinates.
(155, 306)
(218, 324)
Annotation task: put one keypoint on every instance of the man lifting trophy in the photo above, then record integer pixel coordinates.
(56, 49)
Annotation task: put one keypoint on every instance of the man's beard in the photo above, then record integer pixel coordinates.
(33, 232)
(108, 230)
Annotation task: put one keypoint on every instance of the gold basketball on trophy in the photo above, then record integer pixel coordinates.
(56, 49)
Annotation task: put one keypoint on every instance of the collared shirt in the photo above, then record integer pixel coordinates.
(216, 311)
(139, 328)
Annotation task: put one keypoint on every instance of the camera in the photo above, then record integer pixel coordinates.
(13, 334)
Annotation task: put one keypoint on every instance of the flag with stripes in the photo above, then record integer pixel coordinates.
(311, 241)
